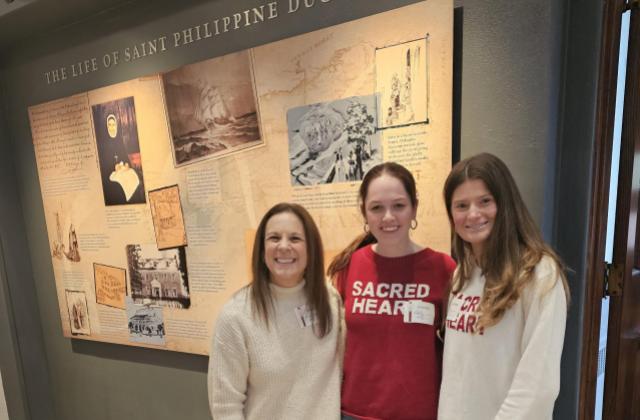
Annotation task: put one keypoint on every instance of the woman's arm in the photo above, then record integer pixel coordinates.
(341, 323)
(536, 382)
(228, 371)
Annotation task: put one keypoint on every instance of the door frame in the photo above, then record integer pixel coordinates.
(623, 338)
(598, 212)
(594, 287)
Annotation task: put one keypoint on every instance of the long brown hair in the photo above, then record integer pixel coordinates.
(315, 287)
(514, 247)
(341, 261)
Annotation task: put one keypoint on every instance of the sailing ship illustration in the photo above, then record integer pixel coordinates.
(212, 111)
(212, 108)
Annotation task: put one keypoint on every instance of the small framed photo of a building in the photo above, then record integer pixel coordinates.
(158, 277)
(146, 323)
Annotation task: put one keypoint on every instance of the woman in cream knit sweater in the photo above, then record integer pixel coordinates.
(276, 347)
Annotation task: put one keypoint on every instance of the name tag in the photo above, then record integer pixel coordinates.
(419, 312)
(454, 309)
(305, 316)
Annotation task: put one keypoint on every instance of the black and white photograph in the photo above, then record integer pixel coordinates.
(119, 156)
(146, 323)
(78, 312)
(212, 108)
(402, 83)
(333, 142)
(158, 277)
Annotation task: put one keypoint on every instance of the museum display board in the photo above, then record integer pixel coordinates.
(153, 188)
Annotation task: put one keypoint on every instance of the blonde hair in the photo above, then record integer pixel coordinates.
(514, 247)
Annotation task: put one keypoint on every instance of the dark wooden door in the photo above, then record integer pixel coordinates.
(622, 370)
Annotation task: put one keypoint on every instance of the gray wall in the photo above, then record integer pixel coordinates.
(510, 91)
(517, 62)
(22, 357)
(574, 167)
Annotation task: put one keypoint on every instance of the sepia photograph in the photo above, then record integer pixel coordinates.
(158, 277)
(212, 108)
(146, 323)
(64, 244)
(402, 83)
(119, 156)
(111, 285)
(78, 312)
(168, 221)
(333, 142)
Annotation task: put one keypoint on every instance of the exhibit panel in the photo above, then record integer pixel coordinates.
(152, 188)
(511, 98)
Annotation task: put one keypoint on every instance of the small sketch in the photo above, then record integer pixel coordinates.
(168, 221)
(401, 83)
(212, 108)
(72, 251)
(333, 142)
(146, 323)
(57, 247)
(119, 156)
(73, 254)
(158, 276)
(78, 312)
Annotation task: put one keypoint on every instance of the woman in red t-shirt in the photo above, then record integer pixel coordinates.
(393, 291)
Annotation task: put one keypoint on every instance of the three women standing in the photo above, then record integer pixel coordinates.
(276, 347)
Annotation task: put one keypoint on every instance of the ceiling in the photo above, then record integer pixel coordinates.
(21, 20)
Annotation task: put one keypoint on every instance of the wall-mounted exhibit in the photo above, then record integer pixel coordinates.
(152, 188)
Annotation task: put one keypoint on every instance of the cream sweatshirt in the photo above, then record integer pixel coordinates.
(281, 372)
(512, 370)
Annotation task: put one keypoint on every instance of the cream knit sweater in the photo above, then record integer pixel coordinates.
(512, 370)
(281, 372)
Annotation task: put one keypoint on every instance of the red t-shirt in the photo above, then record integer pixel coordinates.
(393, 359)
